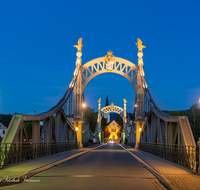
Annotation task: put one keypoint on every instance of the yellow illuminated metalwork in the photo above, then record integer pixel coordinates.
(80, 45)
(139, 44)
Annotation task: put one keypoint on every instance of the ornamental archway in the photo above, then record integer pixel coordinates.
(108, 109)
(108, 64)
(120, 66)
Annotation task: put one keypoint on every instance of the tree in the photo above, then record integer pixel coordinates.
(28, 126)
(119, 120)
(103, 123)
(91, 118)
(6, 117)
(194, 118)
(178, 113)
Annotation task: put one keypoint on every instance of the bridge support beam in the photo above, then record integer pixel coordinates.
(139, 124)
(78, 127)
(36, 132)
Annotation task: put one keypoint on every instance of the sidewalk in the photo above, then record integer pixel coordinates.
(175, 175)
(30, 168)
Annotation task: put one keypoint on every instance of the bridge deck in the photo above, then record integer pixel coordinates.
(107, 167)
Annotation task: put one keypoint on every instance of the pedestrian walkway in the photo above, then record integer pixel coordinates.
(31, 167)
(175, 175)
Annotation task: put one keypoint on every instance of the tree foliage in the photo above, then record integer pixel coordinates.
(178, 113)
(119, 120)
(28, 126)
(194, 118)
(6, 117)
(91, 118)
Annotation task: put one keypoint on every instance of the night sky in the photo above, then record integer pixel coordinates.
(37, 56)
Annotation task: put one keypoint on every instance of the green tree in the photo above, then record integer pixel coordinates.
(119, 120)
(91, 118)
(28, 126)
(194, 118)
(178, 113)
(103, 123)
(6, 117)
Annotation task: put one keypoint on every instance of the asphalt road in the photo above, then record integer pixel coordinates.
(109, 167)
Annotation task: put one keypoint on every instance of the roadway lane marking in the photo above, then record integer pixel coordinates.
(92, 176)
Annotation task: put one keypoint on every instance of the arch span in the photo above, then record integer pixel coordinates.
(97, 66)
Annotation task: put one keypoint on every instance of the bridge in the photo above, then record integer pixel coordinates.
(64, 128)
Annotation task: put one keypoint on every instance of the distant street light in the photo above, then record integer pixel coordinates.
(76, 128)
(83, 105)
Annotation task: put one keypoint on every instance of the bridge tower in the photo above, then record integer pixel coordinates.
(139, 93)
(78, 92)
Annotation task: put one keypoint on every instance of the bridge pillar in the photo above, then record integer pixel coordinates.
(139, 126)
(78, 91)
(99, 120)
(139, 91)
(124, 123)
(78, 127)
(58, 125)
(36, 132)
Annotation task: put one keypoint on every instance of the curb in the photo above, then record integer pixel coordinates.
(21, 178)
(152, 170)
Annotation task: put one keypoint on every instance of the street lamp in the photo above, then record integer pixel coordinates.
(140, 129)
(76, 128)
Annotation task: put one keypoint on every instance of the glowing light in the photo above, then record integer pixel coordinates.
(83, 105)
(76, 128)
(140, 129)
(135, 105)
(199, 100)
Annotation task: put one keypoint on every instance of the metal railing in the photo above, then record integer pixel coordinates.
(89, 144)
(132, 144)
(186, 156)
(11, 153)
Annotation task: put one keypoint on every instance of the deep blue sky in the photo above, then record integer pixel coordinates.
(37, 56)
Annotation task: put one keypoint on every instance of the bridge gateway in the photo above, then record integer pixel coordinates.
(115, 109)
(155, 126)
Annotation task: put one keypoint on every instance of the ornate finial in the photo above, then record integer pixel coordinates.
(112, 104)
(80, 45)
(109, 61)
(109, 53)
(139, 45)
(124, 101)
(99, 100)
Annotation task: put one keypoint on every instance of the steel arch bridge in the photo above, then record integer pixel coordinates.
(151, 124)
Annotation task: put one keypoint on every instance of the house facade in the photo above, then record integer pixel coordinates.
(3, 127)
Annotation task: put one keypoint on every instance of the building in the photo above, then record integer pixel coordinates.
(3, 127)
(107, 116)
(113, 128)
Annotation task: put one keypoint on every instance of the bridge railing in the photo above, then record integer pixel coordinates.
(11, 153)
(186, 156)
(132, 144)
